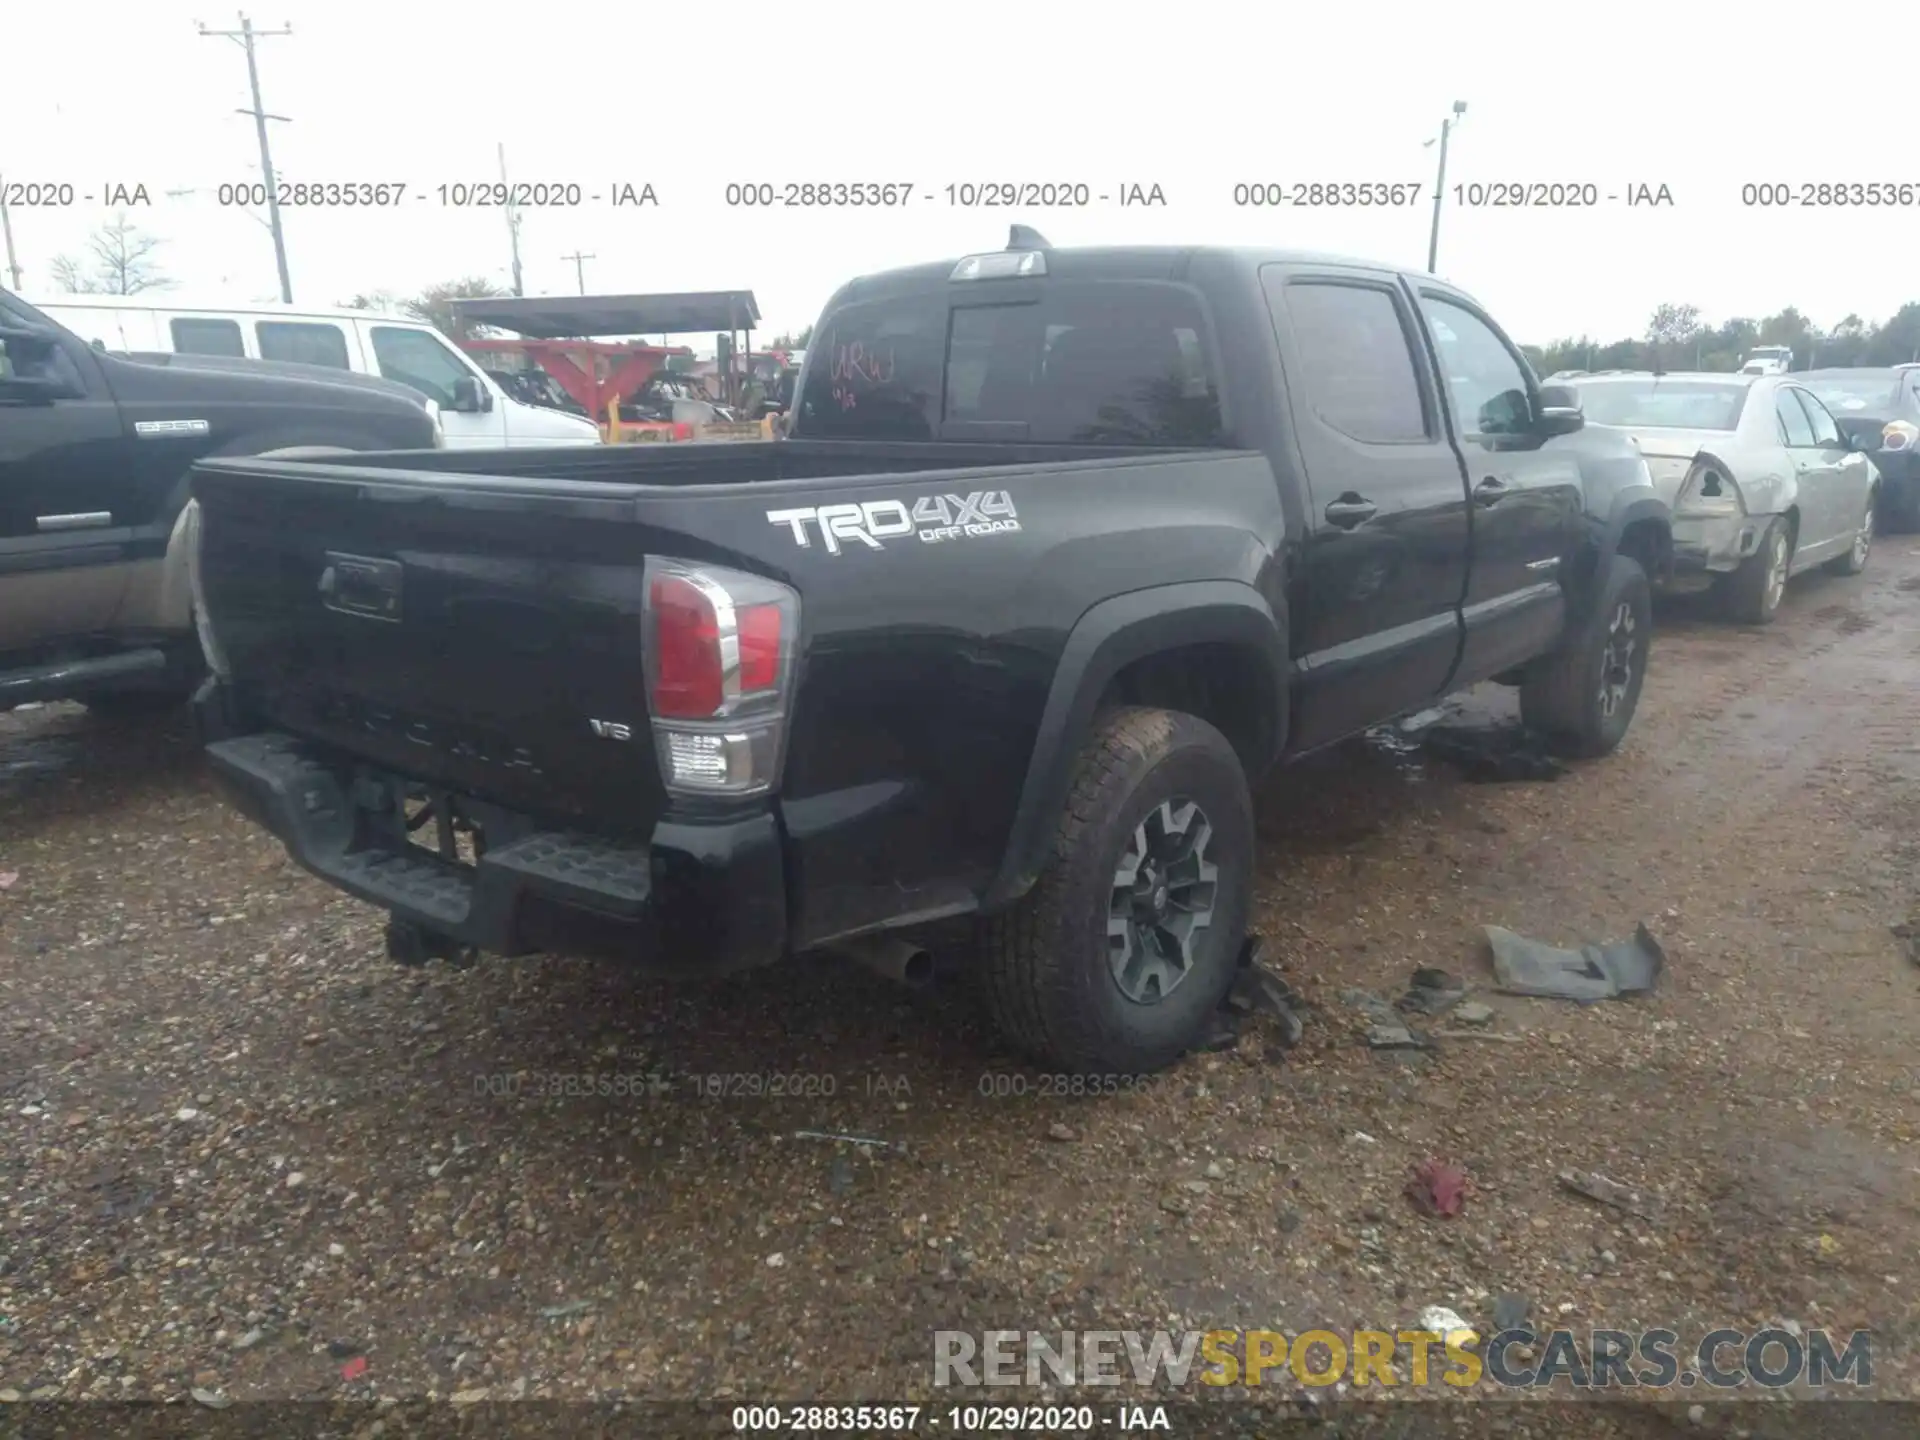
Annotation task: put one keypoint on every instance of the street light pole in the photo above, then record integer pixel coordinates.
(1440, 186)
(513, 220)
(245, 36)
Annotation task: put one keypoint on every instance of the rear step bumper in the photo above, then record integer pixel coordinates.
(699, 900)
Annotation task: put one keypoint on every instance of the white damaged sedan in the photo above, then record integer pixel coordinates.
(1762, 481)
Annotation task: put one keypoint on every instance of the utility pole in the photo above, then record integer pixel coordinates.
(6, 228)
(580, 268)
(513, 222)
(245, 36)
(1440, 186)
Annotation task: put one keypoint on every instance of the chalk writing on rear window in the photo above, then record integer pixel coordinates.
(856, 368)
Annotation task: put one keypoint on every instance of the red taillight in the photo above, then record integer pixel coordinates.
(689, 682)
(759, 648)
(691, 640)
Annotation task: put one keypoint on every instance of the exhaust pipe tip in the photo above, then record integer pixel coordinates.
(894, 959)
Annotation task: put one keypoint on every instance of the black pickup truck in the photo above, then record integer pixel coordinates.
(1064, 548)
(94, 524)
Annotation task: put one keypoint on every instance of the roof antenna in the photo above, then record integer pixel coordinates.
(1025, 237)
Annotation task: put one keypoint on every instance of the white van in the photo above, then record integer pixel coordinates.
(474, 409)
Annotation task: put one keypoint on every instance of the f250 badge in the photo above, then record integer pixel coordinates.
(934, 518)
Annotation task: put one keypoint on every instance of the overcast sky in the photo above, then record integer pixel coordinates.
(1701, 96)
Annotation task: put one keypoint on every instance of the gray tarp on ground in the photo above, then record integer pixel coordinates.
(1593, 972)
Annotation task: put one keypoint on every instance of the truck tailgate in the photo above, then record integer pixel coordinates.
(461, 636)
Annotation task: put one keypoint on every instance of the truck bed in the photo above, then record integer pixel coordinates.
(712, 463)
(518, 594)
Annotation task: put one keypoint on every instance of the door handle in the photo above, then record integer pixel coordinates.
(1351, 510)
(1490, 490)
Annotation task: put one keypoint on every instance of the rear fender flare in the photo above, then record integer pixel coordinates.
(1108, 638)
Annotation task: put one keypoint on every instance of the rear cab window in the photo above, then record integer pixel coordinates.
(1108, 362)
(303, 343)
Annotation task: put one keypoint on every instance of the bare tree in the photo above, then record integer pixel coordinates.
(120, 261)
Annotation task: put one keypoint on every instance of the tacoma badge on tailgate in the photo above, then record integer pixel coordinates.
(359, 585)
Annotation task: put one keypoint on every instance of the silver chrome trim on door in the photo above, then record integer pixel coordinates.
(81, 520)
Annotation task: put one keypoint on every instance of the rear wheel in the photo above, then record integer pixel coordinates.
(1752, 593)
(1855, 560)
(1127, 943)
(1582, 699)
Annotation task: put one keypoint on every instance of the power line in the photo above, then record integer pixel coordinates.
(245, 36)
(580, 268)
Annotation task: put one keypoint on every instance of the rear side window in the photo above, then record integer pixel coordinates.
(1359, 373)
(1796, 431)
(1109, 362)
(302, 344)
(207, 337)
(1826, 431)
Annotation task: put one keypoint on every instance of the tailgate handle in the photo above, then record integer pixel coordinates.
(361, 585)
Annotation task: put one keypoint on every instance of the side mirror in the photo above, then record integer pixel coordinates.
(29, 372)
(1559, 411)
(470, 397)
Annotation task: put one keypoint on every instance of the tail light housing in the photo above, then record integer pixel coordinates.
(1899, 435)
(1707, 490)
(720, 648)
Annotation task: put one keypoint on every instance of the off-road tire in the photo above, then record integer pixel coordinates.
(1044, 962)
(1747, 594)
(1854, 561)
(1565, 697)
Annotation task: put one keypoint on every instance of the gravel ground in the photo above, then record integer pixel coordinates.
(242, 1151)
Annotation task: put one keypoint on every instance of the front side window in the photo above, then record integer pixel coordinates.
(302, 343)
(1485, 382)
(419, 359)
(1108, 362)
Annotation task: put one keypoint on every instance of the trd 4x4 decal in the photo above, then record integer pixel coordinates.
(934, 518)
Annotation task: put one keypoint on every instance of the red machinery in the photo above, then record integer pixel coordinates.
(557, 331)
(597, 376)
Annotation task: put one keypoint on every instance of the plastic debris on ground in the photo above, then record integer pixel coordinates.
(1593, 972)
(1595, 1186)
(1438, 1187)
(1257, 990)
(354, 1368)
(1440, 1320)
(1431, 991)
(1387, 1028)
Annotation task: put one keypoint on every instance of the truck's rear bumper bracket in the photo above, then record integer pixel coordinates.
(700, 899)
